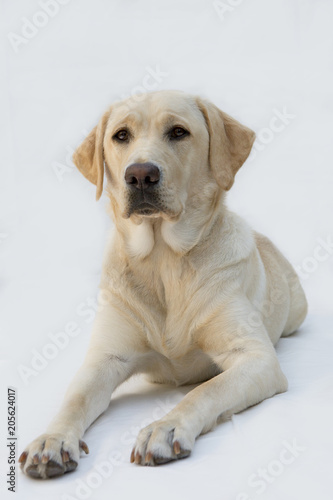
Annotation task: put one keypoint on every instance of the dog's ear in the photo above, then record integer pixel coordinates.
(89, 156)
(230, 143)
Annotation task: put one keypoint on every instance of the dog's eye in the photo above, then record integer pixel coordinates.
(178, 133)
(122, 135)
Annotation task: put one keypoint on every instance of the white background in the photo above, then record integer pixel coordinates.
(254, 59)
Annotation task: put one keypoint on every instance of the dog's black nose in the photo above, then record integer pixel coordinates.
(142, 175)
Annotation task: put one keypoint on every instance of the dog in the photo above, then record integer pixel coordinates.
(191, 295)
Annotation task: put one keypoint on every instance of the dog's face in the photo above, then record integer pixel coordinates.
(161, 149)
(153, 148)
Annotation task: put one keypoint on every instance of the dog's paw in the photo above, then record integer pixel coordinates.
(51, 455)
(161, 442)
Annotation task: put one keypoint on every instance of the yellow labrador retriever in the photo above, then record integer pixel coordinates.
(190, 293)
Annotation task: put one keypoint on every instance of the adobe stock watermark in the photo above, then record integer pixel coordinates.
(151, 81)
(57, 341)
(264, 309)
(276, 125)
(263, 477)
(321, 253)
(103, 470)
(31, 27)
(67, 166)
(96, 477)
(223, 8)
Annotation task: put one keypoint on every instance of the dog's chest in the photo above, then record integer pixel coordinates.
(192, 368)
(173, 302)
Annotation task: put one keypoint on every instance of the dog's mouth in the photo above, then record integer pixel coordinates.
(146, 209)
(146, 204)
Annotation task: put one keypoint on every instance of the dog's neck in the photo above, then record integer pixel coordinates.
(142, 236)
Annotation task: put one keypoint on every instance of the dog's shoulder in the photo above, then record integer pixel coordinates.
(231, 241)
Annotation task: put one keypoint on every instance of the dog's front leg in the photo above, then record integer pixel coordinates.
(250, 373)
(114, 354)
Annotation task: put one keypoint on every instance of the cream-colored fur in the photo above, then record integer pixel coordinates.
(189, 292)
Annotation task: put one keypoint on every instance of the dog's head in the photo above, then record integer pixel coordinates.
(159, 149)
